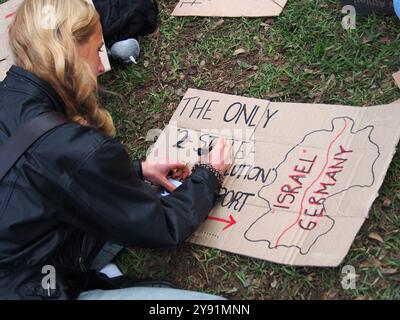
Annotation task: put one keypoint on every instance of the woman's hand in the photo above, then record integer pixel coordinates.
(158, 173)
(220, 156)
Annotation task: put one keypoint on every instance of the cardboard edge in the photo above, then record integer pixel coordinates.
(279, 8)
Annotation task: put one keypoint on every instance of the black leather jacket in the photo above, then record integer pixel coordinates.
(75, 189)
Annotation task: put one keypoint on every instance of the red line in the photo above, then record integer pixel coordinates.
(319, 176)
(218, 219)
(10, 15)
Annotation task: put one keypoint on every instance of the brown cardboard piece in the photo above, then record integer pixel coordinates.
(303, 179)
(396, 77)
(235, 8)
(7, 10)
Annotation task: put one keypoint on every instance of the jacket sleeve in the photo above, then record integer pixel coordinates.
(109, 200)
(137, 165)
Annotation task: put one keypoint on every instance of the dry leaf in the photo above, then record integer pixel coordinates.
(179, 92)
(217, 24)
(375, 236)
(387, 203)
(372, 263)
(389, 270)
(233, 290)
(329, 295)
(239, 51)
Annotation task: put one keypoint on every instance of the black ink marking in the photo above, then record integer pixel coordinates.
(269, 117)
(182, 140)
(188, 101)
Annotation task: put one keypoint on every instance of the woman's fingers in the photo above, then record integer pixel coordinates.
(179, 171)
(220, 156)
(177, 174)
(185, 173)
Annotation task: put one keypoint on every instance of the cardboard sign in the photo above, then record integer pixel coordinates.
(7, 11)
(231, 8)
(370, 6)
(303, 178)
(396, 77)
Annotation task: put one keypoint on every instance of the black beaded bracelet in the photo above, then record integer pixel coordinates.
(220, 177)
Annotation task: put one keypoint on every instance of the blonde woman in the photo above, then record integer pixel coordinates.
(75, 193)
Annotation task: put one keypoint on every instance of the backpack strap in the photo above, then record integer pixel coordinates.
(16, 145)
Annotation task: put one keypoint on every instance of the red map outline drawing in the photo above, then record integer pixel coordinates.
(277, 243)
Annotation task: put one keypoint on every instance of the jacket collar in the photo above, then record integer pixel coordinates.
(41, 86)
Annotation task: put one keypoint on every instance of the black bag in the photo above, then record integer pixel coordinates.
(124, 19)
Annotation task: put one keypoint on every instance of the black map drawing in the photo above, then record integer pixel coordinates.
(256, 232)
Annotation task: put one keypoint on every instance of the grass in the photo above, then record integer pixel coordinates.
(305, 56)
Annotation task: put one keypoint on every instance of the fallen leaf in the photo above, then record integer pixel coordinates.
(231, 84)
(233, 290)
(372, 263)
(249, 281)
(171, 107)
(275, 95)
(179, 92)
(365, 40)
(239, 51)
(375, 236)
(361, 298)
(389, 270)
(387, 203)
(329, 295)
(384, 40)
(217, 24)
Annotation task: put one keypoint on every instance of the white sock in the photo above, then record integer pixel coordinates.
(111, 270)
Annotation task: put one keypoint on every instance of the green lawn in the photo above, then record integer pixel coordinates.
(305, 56)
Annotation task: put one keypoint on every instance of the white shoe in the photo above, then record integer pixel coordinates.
(126, 51)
